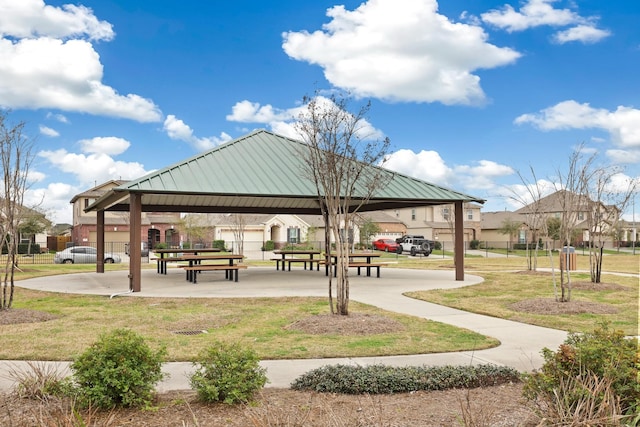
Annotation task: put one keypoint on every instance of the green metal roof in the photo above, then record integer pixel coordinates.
(260, 172)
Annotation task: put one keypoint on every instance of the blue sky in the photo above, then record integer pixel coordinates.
(469, 92)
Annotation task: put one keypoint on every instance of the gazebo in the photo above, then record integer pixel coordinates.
(260, 172)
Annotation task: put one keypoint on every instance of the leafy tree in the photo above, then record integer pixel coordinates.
(510, 228)
(33, 223)
(553, 229)
(16, 157)
(339, 157)
(368, 228)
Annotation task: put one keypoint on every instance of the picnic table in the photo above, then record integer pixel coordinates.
(367, 263)
(196, 266)
(302, 256)
(165, 256)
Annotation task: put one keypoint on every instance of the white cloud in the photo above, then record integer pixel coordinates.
(621, 183)
(50, 73)
(252, 112)
(429, 166)
(59, 117)
(283, 121)
(582, 33)
(32, 18)
(536, 13)
(48, 131)
(403, 51)
(53, 200)
(179, 130)
(92, 168)
(520, 195)
(533, 13)
(48, 61)
(483, 175)
(109, 145)
(623, 124)
(425, 165)
(624, 156)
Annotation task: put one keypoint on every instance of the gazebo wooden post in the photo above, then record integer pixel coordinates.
(135, 241)
(100, 241)
(459, 240)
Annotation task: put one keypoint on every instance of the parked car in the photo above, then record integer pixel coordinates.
(83, 255)
(387, 245)
(144, 249)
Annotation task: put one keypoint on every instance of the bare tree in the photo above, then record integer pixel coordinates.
(570, 191)
(16, 157)
(605, 201)
(340, 159)
(238, 225)
(534, 217)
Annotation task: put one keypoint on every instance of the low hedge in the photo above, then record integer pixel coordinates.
(382, 379)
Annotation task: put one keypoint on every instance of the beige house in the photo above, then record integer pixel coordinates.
(437, 222)
(532, 220)
(281, 229)
(493, 222)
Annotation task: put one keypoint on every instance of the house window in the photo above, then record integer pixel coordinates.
(580, 216)
(469, 214)
(522, 237)
(293, 235)
(413, 214)
(445, 214)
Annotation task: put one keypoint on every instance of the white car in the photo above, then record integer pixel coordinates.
(83, 255)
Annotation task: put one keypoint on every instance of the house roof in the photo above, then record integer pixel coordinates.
(495, 220)
(555, 202)
(98, 190)
(260, 172)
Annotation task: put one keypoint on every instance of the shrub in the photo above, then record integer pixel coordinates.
(219, 244)
(605, 354)
(118, 370)
(269, 245)
(474, 244)
(381, 379)
(161, 245)
(227, 373)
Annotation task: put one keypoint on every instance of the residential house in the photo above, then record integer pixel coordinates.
(437, 222)
(493, 235)
(156, 227)
(533, 217)
(281, 229)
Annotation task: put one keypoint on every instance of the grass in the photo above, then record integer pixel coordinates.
(261, 321)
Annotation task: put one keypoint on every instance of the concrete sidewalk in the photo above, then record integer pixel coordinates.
(520, 343)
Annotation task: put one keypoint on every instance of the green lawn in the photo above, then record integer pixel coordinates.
(262, 323)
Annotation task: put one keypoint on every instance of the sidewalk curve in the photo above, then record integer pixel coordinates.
(520, 343)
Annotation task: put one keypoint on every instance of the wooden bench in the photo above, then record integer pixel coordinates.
(368, 266)
(358, 265)
(303, 261)
(297, 260)
(231, 271)
(162, 263)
